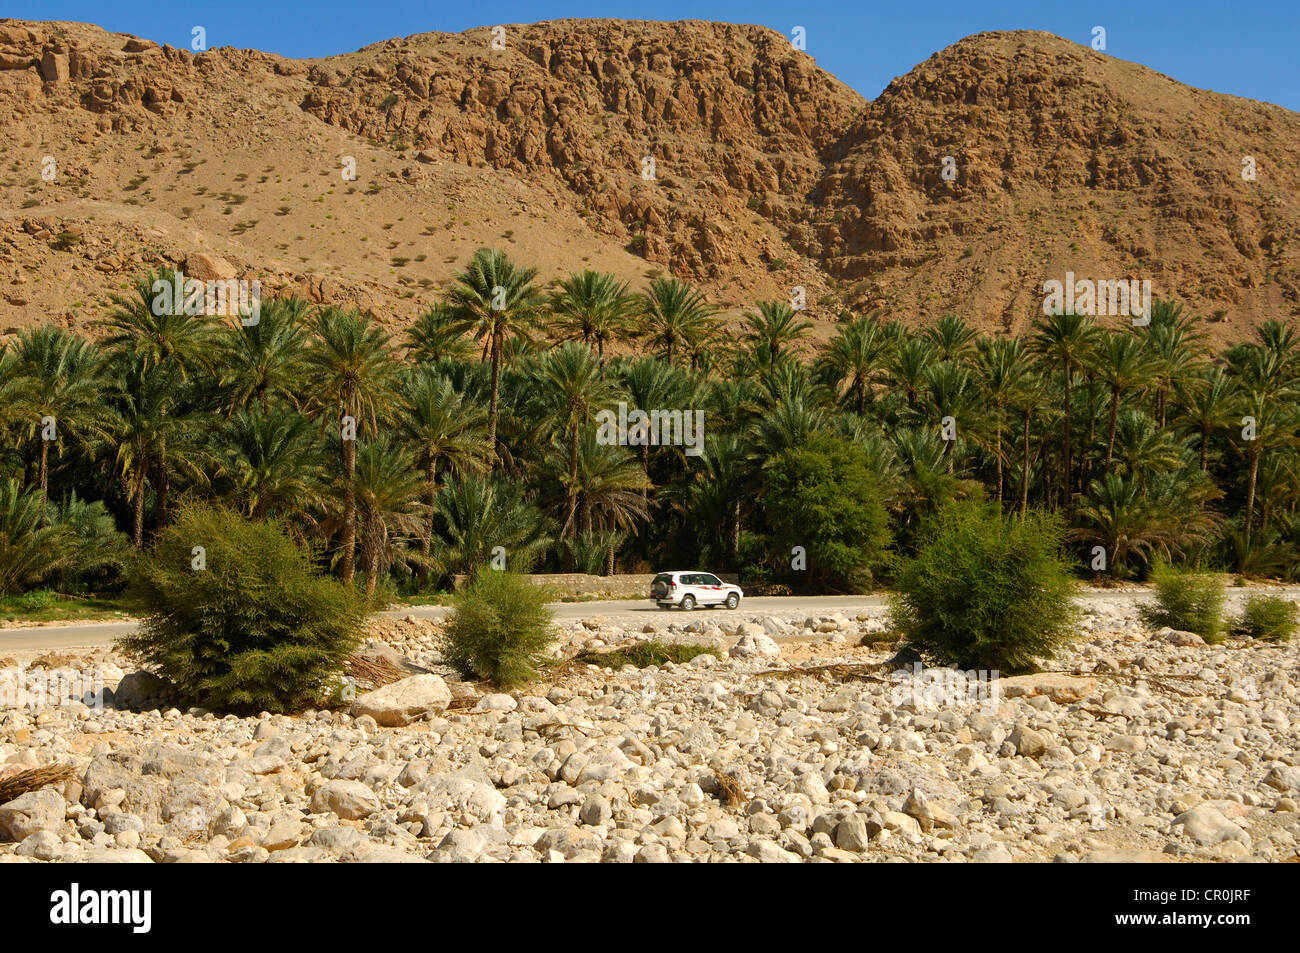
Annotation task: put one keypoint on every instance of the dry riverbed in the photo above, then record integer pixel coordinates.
(795, 744)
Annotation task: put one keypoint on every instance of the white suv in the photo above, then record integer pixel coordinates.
(691, 589)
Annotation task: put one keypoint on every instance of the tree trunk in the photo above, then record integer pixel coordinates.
(570, 527)
(1250, 491)
(997, 454)
(349, 508)
(492, 405)
(44, 472)
(160, 506)
(1114, 416)
(1069, 427)
(1024, 471)
(137, 517)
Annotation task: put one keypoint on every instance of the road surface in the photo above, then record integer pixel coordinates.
(89, 634)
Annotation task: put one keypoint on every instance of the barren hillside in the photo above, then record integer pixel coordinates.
(767, 171)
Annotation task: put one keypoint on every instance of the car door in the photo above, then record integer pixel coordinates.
(711, 588)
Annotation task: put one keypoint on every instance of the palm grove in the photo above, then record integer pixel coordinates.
(474, 435)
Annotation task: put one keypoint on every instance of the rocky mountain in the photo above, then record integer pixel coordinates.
(716, 152)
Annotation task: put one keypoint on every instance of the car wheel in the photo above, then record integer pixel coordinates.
(733, 600)
(688, 603)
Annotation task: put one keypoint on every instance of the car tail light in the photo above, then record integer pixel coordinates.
(672, 585)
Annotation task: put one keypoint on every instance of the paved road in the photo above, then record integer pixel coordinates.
(103, 633)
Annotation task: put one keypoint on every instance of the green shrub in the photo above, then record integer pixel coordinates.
(984, 590)
(823, 496)
(1188, 601)
(645, 654)
(33, 601)
(498, 627)
(29, 550)
(257, 628)
(1271, 618)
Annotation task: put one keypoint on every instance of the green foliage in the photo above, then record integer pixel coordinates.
(1271, 618)
(985, 590)
(824, 496)
(98, 552)
(645, 654)
(1188, 601)
(498, 628)
(29, 550)
(258, 629)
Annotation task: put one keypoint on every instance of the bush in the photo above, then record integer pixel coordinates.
(1188, 601)
(824, 496)
(98, 552)
(984, 590)
(1271, 618)
(257, 628)
(29, 550)
(498, 627)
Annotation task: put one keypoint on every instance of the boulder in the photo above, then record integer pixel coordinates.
(404, 701)
(32, 812)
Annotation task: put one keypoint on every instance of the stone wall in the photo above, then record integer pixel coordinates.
(618, 586)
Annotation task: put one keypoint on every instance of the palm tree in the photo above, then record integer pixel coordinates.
(156, 334)
(438, 334)
(854, 358)
(909, 359)
(1005, 377)
(477, 514)
(593, 307)
(953, 338)
(1122, 362)
(1206, 402)
(266, 361)
(60, 378)
(147, 434)
(674, 315)
(775, 327)
(572, 387)
(951, 392)
(1273, 426)
(447, 431)
(386, 488)
(351, 365)
(1159, 520)
(30, 549)
(610, 483)
(1066, 339)
(161, 338)
(496, 300)
(270, 461)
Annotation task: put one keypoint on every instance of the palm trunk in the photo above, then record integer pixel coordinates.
(492, 405)
(571, 504)
(1250, 491)
(137, 517)
(160, 507)
(1114, 416)
(1069, 427)
(44, 472)
(1205, 450)
(349, 508)
(1024, 471)
(997, 454)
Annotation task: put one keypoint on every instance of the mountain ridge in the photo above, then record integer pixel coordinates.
(769, 173)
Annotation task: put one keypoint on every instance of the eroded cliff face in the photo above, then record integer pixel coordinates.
(715, 152)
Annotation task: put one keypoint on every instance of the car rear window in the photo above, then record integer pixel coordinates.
(663, 577)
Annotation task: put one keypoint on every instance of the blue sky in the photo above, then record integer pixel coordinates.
(1243, 47)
